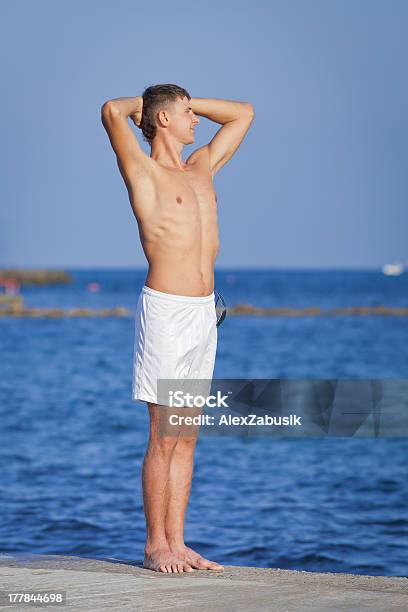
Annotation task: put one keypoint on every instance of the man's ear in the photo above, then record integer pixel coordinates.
(163, 118)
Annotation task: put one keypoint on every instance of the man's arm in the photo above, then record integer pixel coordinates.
(114, 115)
(235, 117)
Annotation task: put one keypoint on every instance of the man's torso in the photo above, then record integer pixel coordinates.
(176, 212)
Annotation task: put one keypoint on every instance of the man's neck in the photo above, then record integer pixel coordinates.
(168, 154)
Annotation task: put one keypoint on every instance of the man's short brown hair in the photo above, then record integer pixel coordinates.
(154, 97)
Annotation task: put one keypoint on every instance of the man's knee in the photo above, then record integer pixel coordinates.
(165, 438)
(162, 445)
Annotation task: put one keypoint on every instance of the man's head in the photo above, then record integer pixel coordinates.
(168, 107)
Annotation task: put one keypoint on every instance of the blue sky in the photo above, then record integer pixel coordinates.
(320, 180)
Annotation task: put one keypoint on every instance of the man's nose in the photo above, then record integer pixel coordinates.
(196, 120)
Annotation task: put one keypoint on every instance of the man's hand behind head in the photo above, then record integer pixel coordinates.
(137, 116)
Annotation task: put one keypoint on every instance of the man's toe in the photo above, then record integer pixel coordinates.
(216, 566)
(212, 565)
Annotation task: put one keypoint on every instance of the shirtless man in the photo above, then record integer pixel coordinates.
(175, 207)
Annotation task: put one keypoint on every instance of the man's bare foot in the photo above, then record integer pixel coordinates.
(196, 560)
(166, 561)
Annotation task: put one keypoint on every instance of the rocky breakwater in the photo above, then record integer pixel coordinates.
(248, 309)
(34, 277)
(13, 306)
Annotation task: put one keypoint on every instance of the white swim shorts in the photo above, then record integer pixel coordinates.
(175, 338)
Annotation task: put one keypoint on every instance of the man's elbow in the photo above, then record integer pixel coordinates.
(249, 110)
(109, 109)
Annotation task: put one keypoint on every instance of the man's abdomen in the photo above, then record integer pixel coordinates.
(181, 259)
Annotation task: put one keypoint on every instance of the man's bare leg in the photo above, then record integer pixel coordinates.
(155, 479)
(180, 477)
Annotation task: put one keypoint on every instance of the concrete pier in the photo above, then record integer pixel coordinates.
(117, 585)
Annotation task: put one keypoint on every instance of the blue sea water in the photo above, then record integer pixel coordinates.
(72, 441)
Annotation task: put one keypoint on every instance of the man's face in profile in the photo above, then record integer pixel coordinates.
(183, 121)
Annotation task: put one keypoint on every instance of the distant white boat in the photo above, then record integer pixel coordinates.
(393, 269)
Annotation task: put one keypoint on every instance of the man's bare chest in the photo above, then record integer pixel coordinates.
(187, 191)
(165, 195)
